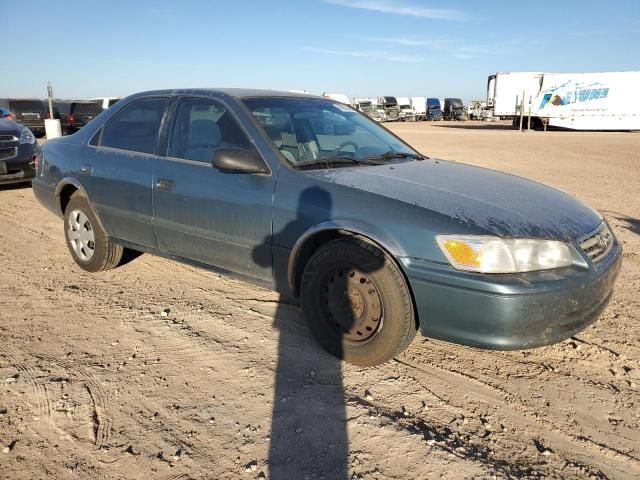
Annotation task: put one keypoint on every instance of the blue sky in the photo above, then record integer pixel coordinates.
(358, 47)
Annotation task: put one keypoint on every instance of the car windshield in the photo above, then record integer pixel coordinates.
(313, 130)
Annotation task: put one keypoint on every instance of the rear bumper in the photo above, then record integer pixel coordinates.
(510, 312)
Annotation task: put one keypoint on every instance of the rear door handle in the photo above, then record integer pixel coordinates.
(165, 184)
(86, 169)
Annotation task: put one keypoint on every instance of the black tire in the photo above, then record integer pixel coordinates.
(96, 256)
(339, 306)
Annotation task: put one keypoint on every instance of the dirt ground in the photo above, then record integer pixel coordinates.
(161, 370)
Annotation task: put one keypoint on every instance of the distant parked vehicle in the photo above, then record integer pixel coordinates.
(419, 105)
(29, 112)
(478, 110)
(338, 97)
(407, 113)
(370, 108)
(391, 108)
(454, 109)
(6, 113)
(577, 101)
(106, 102)
(434, 109)
(74, 115)
(18, 149)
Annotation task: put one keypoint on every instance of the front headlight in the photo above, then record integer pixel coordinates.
(486, 254)
(27, 137)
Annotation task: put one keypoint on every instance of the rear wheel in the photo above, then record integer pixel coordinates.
(87, 241)
(357, 303)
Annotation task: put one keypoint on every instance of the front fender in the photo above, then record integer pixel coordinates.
(349, 227)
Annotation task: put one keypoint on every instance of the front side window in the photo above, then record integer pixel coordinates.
(307, 130)
(136, 128)
(202, 126)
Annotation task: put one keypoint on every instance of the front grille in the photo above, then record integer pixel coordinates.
(8, 153)
(8, 138)
(597, 245)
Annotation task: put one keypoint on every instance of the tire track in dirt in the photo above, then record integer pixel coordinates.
(38, 393)
(517, 405)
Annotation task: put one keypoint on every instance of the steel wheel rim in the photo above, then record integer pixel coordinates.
(352, 305)
(81, 235)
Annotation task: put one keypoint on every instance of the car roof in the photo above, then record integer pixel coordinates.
(232, 92)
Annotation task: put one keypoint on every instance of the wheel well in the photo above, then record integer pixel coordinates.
(316, 241)
(65, 195)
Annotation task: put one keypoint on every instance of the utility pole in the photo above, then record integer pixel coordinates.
(50, 95)
(521, 109)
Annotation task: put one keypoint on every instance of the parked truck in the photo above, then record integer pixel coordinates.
(371, 108)
(407, 113)
(434, 109)
(419, 105)
(391, 108)
(576, 101)
(454, 109)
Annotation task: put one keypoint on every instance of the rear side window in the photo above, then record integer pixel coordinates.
(136, 127)
(201, 126)
(87, 109)
(26, 106)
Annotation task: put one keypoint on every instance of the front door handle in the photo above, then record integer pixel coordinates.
(165, 184)
(86, 169)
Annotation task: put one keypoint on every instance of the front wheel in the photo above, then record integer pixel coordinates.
(87, 241)
(357, 303)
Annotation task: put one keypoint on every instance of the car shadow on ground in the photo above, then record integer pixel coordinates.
(309, 426)
(15, 186)
(309, 436)
(629, 223)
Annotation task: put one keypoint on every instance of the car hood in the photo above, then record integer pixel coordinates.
(499, 203)
(9, 127)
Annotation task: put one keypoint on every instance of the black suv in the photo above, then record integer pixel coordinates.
(74, 115)
(29, 112)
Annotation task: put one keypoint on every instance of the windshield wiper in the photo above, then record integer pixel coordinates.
(391, 155)
(335, 160)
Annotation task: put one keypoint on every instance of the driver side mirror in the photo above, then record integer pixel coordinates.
(232, 160)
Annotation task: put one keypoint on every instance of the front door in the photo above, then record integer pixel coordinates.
(204, 214)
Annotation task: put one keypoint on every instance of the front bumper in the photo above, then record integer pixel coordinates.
(21, 167)
(510, 312)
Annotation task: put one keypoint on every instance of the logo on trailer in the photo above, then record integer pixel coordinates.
(567, 94)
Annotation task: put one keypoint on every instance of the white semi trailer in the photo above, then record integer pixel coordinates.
(577, 101)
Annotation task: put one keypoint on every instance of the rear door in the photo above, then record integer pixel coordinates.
(117, 169)
(204, 214)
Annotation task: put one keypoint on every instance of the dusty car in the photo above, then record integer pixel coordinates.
(18, 150)
(313, 199)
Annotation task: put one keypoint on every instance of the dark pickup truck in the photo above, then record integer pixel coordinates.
(74, 115)
(29, 112)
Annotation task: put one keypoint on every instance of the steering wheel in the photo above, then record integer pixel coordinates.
(345, 144)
